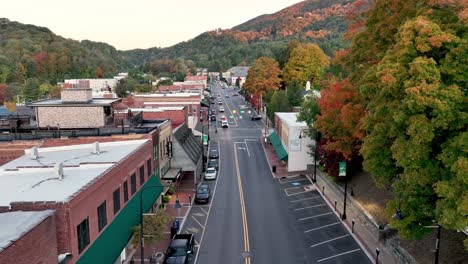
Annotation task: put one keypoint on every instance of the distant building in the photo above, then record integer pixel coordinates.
(96, 85)
(75, 109)
(234, 73)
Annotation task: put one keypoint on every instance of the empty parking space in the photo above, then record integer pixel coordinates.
(327, 238)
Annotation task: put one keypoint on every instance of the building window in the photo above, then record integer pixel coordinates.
(155, 151)
(142, 175)
(125, 190)
(116, 200)
(102, 216)
(148, 168)
(161, 149)
(133, 183)
(82, 231)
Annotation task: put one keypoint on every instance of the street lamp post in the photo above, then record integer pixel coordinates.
(342, 173)
(399, 216)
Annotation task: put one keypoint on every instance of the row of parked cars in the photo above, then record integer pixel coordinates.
(203, 194)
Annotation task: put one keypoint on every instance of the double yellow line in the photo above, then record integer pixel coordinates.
(242, 203)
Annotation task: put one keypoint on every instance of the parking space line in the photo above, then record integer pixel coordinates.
(305, 199)
(324, 242)
(307, 207)
(337, 255)
(197, 222)
(291, 194)
(315, 216)
(290, 179)
(204, 210)
(313, 229)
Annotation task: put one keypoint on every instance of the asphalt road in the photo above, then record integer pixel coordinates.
(254, 218)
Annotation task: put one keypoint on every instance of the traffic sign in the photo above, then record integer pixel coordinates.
(205, 140)
(342, 169)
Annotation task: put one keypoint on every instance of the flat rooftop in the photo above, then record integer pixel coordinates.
(17, 224)
(59, 102)
(290, 118)
(28, 180)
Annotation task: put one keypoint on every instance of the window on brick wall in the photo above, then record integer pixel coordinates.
(149, 168)
(116, 196)
(133, 183)
(142, 175)
(125, 190)
(82, 231)
(102, 216)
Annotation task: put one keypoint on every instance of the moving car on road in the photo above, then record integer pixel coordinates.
(221, 109)
(210, 174)
(213, 117)
(224, 124)
(256, 117)
(203, 194)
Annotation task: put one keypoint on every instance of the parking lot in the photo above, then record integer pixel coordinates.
(323, 231)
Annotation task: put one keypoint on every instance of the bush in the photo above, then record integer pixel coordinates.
(170, 191)
(166, 198)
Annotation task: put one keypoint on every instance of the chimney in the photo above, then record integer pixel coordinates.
(34, 153)
(96, 149)
(58, 168)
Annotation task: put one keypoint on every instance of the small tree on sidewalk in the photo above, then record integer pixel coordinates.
(155, 225)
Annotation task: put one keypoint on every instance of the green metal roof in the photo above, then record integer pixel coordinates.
(279, 149)
(204, 103)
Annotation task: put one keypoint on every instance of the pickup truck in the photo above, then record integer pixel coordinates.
(179, 250)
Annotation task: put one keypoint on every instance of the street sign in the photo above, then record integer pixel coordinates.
(242, 111)
(342, 169)
(205, 140)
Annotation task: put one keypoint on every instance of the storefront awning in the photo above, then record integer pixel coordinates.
(204, 103)
(278, 146)
(172, 174)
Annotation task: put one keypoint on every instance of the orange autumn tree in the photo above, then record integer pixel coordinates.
(262, 77)
(339, 123)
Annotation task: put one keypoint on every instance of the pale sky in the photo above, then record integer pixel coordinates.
(137, 23)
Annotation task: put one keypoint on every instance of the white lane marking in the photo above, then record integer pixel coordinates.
(315, 216)
(337, 255)
(197, 222)
(313, 229)
(305, 191)
(307, 207)
(204, 209)
(242, 148)
(329, 240)
(305, 199)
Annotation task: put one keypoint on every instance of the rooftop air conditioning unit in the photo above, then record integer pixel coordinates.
(34, 153)
(96, 148)
(58, 168)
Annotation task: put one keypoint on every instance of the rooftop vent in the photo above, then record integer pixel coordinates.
(58, 168)
(34, 153)
(96, 148)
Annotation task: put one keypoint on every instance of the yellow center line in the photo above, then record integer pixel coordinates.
(230, 111)
(242, 203)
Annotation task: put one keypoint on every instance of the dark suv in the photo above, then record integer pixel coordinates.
(213, 163)
(213, 118)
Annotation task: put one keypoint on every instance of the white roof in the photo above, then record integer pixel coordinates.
(170, 103)
(167, 95)
(16, 224)
(29, 180)
(291, 119)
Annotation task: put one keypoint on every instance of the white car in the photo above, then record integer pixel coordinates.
(210, 174)
(224, 124)
(221, 109)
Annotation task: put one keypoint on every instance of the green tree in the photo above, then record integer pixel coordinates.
(31, 90)
(307, 62)
(294, 93)
(154, 227)
(279, 103)
(123, 89)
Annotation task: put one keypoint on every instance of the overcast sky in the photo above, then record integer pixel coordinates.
(137, 23)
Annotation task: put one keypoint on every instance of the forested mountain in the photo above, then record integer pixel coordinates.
(28, 51)
(319, 21)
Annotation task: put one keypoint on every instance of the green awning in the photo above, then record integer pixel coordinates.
(279, 149)
(204, 103)
(113, 239)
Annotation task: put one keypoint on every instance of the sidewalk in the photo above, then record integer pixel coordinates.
(185, 194)
(272, 159)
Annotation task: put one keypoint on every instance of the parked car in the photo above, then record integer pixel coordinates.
(221, 109)
(214, 154)
(203, 194)
(210, 174)
(224, 124)
(213, 163)
(235, 94)
(256, 117)
(180, 248)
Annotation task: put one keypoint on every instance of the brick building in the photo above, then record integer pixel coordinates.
(28, 237)
(93, 188)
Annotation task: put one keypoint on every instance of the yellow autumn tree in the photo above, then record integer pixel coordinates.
(262, 77)
(307, 62)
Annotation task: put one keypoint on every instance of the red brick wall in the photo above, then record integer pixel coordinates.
(38, 246)
(176, 116)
